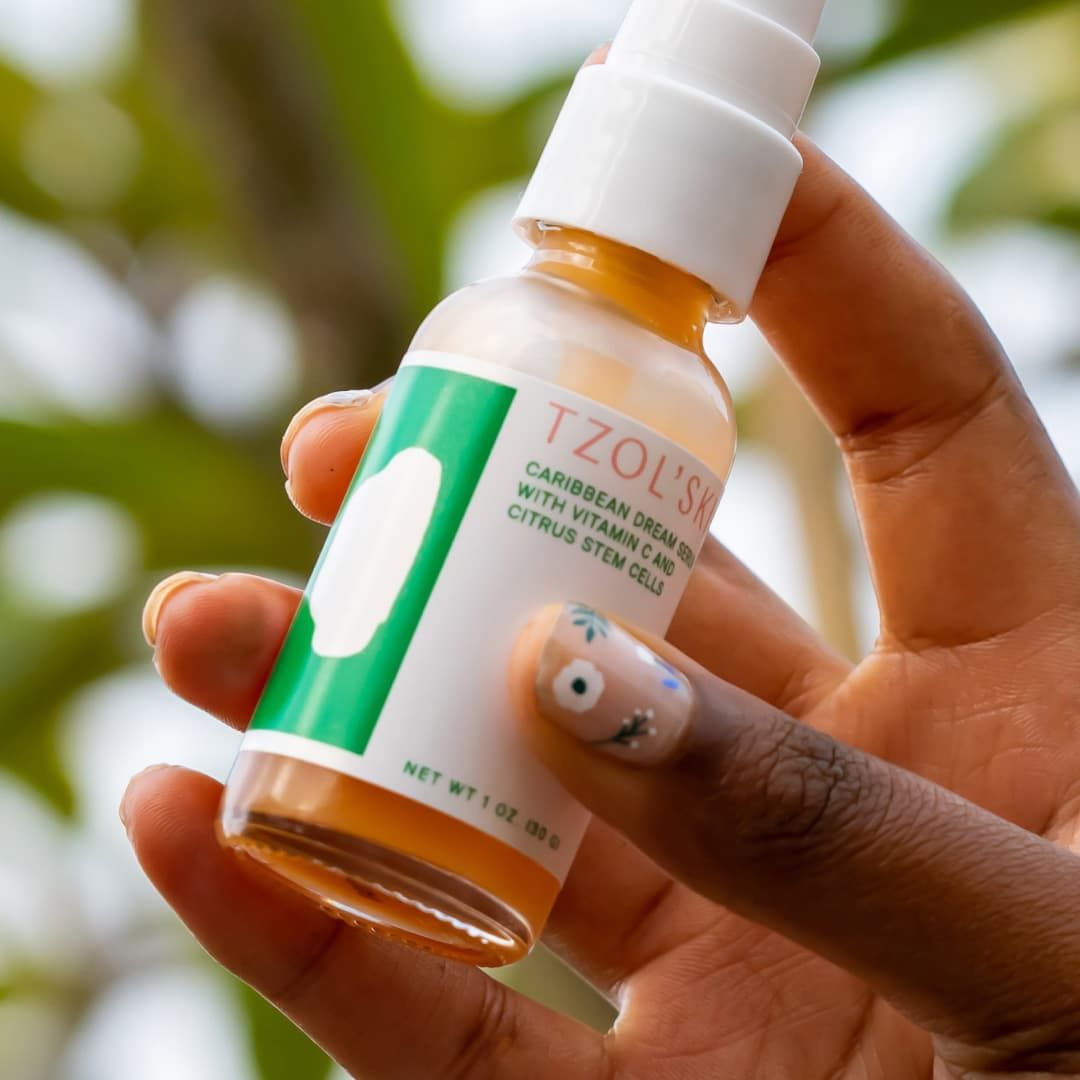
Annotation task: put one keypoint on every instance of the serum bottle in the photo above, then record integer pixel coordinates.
(557, 434)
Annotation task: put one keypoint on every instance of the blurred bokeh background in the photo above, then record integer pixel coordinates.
(211, 210)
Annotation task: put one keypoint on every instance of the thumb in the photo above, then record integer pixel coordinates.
(926, 897)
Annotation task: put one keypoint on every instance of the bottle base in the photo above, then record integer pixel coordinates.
(386, 863)
(389, 893)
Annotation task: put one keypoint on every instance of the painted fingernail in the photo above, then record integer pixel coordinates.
(604, 687)
(297, 505)
(342, 399)
(160, 597)
(125, 802)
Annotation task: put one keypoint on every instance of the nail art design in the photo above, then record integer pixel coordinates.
(633, 730)
(672, 679)
(607, 689)
(592, 622)
(579, 686)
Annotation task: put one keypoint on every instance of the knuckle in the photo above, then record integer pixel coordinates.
(799, 791)
(1048, 1049)
(309, 973)
(889, 449)
(483, 1050)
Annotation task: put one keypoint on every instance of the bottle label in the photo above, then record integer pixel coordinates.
(484, 495)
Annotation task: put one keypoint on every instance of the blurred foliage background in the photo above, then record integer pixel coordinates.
(210, 212)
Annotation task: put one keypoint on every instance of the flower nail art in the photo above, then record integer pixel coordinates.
(671, 679)
(592, 622)
(579, 686)
(633, 730)
(607, 689)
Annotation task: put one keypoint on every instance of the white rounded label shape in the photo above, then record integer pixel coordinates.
(376, 543)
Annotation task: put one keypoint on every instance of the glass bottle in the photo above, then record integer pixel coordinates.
(553, 436)
(616, 326)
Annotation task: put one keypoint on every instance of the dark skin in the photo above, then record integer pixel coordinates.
(848, 871)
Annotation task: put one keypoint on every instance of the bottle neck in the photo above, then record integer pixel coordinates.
(671, 303)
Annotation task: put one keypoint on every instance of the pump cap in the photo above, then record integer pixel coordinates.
(680, 145)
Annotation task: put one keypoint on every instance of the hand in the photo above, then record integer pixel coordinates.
(802, 877)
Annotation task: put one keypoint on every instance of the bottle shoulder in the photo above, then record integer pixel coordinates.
(561, 333)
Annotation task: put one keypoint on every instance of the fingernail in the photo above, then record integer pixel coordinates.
(125, 802)
(161, 596)
(342, 399)
(296, 503)
(604, 687)
(599, 55)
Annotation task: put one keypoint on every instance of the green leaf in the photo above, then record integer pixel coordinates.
(281, 1050)
(1030, 173)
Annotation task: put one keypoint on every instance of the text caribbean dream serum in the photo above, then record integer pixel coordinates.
(554, 435)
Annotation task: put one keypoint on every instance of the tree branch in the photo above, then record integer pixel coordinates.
(267, 121)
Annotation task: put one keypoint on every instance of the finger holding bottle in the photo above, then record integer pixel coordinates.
(323, 445)
(958, 487)
(927, 898)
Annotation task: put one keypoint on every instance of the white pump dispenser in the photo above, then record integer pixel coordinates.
(680, 144)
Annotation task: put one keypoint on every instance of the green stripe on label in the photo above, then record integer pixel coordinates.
(384, 557)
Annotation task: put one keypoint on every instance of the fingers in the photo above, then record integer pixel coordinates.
(929, 899)
(599, 55)
(323, 446)
(960, 493)
(380, 1010)
(216, 639)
